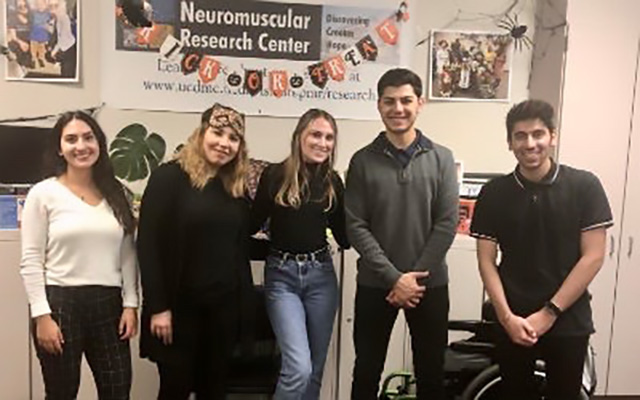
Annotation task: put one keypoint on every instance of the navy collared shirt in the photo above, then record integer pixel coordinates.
(403, 156)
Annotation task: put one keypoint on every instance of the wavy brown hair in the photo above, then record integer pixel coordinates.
(295, 185)
(192, 161)
(102, 171)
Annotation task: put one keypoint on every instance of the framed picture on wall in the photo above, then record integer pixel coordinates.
(42, 40)
(470, 66)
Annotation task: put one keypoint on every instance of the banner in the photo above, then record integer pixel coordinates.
(261, 57)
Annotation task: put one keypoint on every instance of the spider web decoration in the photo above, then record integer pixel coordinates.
(554, 24)
(465, 16)
(512, 8)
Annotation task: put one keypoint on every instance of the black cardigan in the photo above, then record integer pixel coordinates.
(165, 241)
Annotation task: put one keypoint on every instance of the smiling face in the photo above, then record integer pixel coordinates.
(399, 107)
(220, 145)
(532, 143)
(317, 141)
(78, 145)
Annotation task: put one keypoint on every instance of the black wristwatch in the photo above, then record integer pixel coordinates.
(552, 308)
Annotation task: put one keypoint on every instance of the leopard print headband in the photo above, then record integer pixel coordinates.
(222, 116)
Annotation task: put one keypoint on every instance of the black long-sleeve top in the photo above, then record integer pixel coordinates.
(303, 229)
(191, 244)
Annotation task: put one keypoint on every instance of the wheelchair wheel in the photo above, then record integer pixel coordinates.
(487, 385)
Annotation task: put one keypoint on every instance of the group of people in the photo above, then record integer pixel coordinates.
(42, 33)
(474, 71)
(398, 209)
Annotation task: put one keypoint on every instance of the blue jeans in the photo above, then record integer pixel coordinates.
(301, 297)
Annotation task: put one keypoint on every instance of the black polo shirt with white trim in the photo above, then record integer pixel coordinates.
(538, 227)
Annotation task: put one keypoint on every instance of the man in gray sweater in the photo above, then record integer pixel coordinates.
(402, 211)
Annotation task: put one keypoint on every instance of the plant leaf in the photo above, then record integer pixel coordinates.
(135, 154)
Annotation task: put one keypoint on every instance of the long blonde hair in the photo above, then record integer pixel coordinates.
(192, 161)
(295, 185)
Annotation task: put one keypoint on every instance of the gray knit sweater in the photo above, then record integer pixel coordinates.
(401, 219)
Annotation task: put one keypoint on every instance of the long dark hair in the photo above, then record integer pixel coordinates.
(102, 171)
(296, 174)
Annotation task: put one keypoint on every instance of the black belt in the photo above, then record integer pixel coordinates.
(322, 254)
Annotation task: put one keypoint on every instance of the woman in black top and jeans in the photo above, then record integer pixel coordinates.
(193, 258)
(302, 196)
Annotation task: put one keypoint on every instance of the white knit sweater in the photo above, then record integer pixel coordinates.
(67, 242)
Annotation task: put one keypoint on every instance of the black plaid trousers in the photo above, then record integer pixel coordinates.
(88, 317)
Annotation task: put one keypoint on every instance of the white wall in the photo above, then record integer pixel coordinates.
(594, 134)
(474, 131)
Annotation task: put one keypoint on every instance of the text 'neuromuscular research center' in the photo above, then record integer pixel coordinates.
(269, 30)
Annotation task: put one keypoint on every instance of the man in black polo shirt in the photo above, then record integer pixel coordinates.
(549, 221)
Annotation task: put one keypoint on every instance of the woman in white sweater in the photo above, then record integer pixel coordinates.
(79, 264)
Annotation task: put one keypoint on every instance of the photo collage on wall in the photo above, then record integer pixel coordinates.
(42, 39)
(470, 66)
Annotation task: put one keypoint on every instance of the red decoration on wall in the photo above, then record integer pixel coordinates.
(388, 31)
(336, 68)
(278, 82)
(147, 35)
(209, 69)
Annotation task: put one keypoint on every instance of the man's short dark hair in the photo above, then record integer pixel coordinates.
(531, 109)
(398, 77)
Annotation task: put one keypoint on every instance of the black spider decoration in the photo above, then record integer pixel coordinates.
(518, 32)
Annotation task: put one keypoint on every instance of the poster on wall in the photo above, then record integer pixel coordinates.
(470, 66)
(261, 57)
(42, 38)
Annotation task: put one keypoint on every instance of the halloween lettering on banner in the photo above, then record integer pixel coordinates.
(336, 68)
(278, 82)
(253, 82)
(367, 48)
(191, 62)
(318, 75)
(388, 31)
(257, 54)
(151, 36)
(353, 56)
(142, 36)
(170, 48)
(209, 69)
